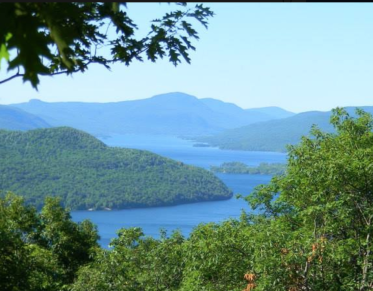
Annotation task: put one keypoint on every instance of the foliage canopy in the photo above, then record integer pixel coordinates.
(51, 38)
(324, 210)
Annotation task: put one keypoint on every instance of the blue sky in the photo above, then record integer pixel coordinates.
(299, 56)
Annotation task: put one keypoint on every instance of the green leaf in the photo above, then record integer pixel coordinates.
(4, 53)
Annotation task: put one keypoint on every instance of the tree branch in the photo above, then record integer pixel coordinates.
(48, 74)
(11, 77)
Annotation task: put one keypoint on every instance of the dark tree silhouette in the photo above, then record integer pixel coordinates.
(50, 38)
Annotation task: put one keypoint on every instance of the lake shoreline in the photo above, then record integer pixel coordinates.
(184, 217)
(155, 206)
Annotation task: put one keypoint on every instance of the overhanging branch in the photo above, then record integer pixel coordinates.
(11, 77)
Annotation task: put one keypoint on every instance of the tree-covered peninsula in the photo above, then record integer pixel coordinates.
(87, 174)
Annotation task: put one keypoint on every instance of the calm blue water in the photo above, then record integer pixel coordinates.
(183, 150)
(183, 217)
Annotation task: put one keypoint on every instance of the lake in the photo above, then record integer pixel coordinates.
(183, 217)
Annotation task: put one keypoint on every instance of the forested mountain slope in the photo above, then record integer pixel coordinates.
(88, 174)
(274, 135)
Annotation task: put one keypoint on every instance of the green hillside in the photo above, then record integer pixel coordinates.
(274, 135)
(88, 174)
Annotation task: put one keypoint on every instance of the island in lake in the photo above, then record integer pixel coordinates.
(241, 168)
(201, 145)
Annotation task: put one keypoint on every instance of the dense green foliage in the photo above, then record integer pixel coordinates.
(274, 135)
(316, 235)
(241, 168)
(51, 38)
(213, 258)
(322, 219)
(86, 173)
(42, 250)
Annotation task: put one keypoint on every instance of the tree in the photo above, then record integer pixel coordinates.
(42, 251)
(135, 263)
(51, 38)
(325, 208)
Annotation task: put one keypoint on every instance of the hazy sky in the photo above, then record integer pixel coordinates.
(299, 56)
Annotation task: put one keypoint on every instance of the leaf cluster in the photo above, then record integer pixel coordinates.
(52, 38)
(42, 250)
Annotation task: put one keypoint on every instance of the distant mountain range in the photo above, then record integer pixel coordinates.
(208, 120)
(17, 119)
(274, 135)
(172, 113)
